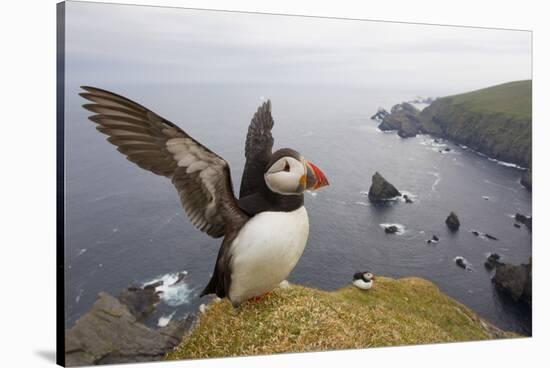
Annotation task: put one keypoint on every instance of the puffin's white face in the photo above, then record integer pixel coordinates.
(368, 276)
(287, 176)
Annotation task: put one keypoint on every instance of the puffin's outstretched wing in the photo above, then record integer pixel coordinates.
(259, 143)
(201, 177)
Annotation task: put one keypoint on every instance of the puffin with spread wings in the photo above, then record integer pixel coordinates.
(264, 231)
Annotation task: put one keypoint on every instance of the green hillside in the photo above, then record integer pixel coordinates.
(512, 99)
(495, 121)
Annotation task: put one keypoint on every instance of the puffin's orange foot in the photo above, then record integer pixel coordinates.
(259, 297)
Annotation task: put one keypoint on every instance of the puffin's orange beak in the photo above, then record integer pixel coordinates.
(315, 178)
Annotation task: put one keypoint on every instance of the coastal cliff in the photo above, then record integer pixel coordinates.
(495, 121)
(298, 319)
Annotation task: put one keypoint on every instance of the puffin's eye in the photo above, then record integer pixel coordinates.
(287, 166)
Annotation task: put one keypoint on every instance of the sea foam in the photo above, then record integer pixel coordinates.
(172, 293)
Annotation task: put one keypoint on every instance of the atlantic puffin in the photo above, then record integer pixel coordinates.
(264, 231)
(363, 280)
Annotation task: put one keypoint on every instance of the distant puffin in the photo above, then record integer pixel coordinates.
(363, 280)
(265, 231)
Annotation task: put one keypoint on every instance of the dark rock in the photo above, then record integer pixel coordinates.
(476, 233)
(461, 262)
(181, 277)
(109, 333)
(141, 302)
(381, 189)
(152, 286)
(489, 236)
(389, 124)
(526, 180)
(447, 149)
(392, 229)
(435, 238)
(380, 115)
(493, 260)
(436, 140)
(407, 129)
(515, 281)
(403, 118)
(526, 220)
(407, 199)
(452, 222)
(517, 225)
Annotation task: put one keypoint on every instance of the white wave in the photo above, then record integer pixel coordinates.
(313, 194)
(164, 320)
(79, 295)
(362, 203)
(115, 230)
(436, 181)
(81, 252)
(507, 164)
(171, 293)
(408, 194)
(400, 227)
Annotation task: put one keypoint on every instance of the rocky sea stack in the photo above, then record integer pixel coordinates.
(452, 222)
(403, 118)
(525, 220)
(381, 189)
(515, 281)
(392, 229)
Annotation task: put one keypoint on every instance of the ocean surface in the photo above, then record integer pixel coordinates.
(125, 225)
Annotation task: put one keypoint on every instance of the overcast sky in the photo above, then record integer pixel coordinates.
(132, 44)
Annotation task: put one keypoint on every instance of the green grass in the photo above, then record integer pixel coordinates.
(512, 99)
(298, 319)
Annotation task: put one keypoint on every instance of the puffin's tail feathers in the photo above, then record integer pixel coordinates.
(214, 287)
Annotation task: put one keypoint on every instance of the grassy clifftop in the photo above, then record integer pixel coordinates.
(512, 99)
(495, 120)
(297, 319)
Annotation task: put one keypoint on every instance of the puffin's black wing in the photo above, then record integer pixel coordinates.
(201, 177)
(259, 143)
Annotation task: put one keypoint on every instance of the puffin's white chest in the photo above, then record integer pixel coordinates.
(266, 251)
(362, 284)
